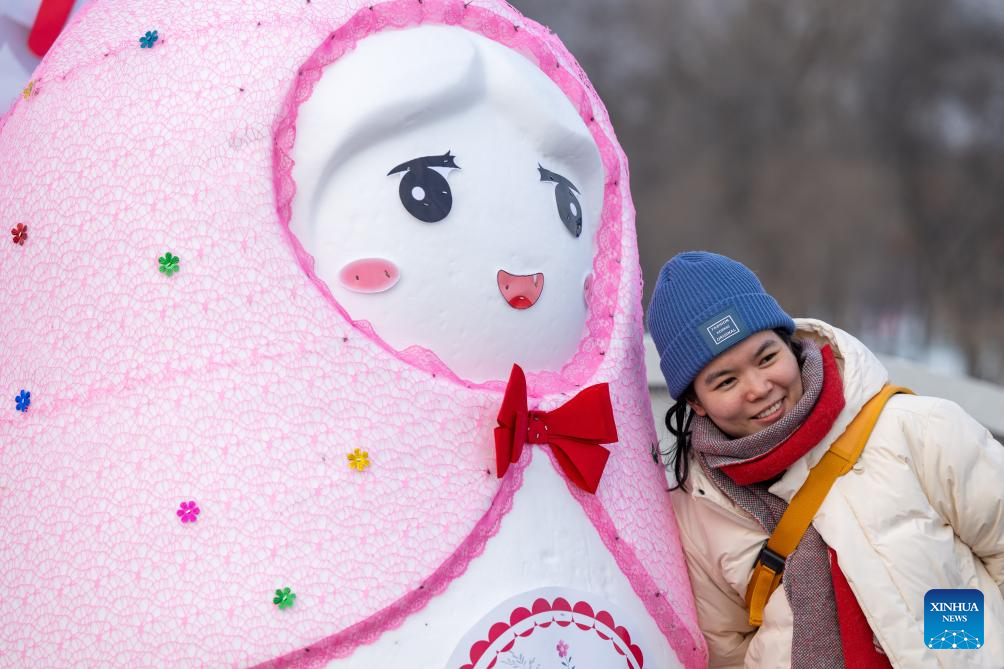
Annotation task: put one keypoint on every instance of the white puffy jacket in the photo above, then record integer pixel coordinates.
(923, 508)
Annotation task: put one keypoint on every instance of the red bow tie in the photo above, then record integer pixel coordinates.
(574, 431)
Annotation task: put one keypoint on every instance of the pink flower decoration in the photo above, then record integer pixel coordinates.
(562, 648)
(188, 512)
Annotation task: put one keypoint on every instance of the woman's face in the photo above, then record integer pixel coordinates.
(750, 386)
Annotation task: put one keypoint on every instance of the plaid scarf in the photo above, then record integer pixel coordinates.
(744, 468)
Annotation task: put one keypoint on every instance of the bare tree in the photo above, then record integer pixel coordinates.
(849, 152)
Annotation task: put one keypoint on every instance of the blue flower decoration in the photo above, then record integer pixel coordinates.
(147, 41)
(23, 401)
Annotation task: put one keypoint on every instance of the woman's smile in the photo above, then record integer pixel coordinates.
(771, 413)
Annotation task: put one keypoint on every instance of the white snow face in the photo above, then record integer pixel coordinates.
(450, 195)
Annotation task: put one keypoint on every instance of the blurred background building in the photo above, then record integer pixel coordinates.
(851, 153)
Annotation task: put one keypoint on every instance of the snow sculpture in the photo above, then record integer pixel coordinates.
(276, 263)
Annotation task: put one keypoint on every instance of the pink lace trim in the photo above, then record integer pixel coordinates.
(690, 650)
(343, 643)
(535, 43)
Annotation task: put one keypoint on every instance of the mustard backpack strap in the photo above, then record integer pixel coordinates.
(836, 462)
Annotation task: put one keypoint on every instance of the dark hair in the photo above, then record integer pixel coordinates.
(681, 415)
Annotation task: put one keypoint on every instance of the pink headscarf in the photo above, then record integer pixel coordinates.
(239, 382)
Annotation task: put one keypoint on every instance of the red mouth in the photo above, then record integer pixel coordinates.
(520, 291)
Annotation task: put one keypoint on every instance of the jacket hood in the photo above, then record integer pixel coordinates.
(862, 375)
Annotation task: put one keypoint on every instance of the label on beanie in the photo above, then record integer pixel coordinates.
(724, 330)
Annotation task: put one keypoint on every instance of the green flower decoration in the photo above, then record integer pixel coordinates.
(169, 263)
(284, 598)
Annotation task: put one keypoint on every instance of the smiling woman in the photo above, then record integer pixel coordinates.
(766, 406)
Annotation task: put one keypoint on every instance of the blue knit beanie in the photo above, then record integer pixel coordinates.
(704, 304)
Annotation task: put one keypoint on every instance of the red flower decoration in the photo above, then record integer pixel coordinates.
(20, 233)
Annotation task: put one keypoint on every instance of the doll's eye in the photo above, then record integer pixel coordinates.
(424, 192)
(569, 209)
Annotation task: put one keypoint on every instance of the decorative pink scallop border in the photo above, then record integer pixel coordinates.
(581, 611)
(533, 42)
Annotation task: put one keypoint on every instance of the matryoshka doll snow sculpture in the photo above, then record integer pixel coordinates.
(281, 259)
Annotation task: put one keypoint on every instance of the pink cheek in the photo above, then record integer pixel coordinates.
(369, 275)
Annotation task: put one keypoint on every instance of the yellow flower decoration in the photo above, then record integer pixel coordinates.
(27, 91)
(359, 460)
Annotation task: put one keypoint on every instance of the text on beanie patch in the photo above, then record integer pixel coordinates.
(723, 330)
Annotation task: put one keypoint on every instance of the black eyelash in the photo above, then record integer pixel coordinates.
(445, 160)
(564, 198)
(548, 175)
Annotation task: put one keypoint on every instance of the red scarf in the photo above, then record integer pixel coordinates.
(775, 461)
(856, 636)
